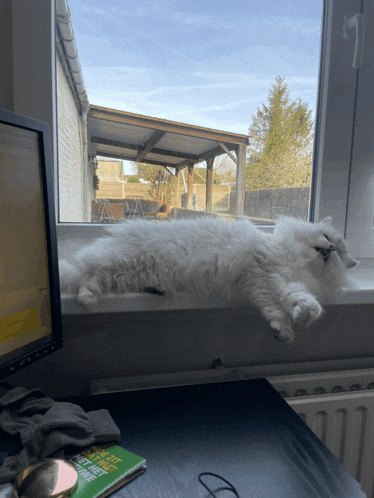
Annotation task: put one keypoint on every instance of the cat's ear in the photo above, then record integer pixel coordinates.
(327, 221)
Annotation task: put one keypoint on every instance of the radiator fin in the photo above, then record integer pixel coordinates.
(344, 422)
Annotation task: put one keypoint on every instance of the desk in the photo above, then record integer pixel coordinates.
(242, 430)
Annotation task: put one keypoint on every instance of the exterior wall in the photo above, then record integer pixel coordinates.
(265, 205)
(111, 171)
(70, 157)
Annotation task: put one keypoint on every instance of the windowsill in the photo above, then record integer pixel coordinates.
(361, 292)
(123, 303)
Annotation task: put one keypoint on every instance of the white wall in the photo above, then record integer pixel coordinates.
(70, 157)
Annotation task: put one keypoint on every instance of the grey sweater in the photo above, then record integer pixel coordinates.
(49, 428)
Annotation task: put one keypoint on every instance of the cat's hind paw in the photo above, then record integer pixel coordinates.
(87, 298)
(306, 311)
(285, 334)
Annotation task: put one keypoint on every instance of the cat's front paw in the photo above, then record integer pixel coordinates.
(306, 311)
(87, 298)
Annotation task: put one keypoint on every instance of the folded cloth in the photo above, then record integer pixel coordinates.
(49, 428)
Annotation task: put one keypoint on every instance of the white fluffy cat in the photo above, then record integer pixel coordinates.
(283, 274)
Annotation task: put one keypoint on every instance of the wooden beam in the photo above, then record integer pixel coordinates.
(168, 170)
(228, 152)
(137, 120)
(129, 158)
(240, 180)
(148, 146)
(137, 148)
(217, 151)
(113, 143)
(209, 184)
(176, 191)
(189, 186)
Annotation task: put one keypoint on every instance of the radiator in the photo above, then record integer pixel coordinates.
(337, 406)
(343, 421)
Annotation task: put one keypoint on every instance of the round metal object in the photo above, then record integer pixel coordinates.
(49, 478)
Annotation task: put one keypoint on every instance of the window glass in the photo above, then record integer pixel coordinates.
(249, 69)
(360, 200)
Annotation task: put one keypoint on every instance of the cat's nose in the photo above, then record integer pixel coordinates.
(332, 247)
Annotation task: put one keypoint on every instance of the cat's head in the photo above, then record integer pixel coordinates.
(318, 242)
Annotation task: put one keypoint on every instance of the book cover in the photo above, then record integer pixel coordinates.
(103, 469)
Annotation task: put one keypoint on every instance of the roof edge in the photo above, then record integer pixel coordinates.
(66, 35)
(164, 124)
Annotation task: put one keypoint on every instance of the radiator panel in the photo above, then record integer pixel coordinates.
(344, 422)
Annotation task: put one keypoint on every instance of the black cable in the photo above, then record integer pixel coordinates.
(231, 488)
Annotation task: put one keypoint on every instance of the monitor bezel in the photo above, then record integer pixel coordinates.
(42, 130)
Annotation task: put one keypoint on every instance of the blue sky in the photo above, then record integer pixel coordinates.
(201, 62)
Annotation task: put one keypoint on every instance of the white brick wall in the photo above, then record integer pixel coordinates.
(70, 157)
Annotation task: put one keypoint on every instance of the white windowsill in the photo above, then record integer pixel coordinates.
(362, 278)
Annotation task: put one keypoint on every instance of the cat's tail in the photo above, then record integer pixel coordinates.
(69, 277)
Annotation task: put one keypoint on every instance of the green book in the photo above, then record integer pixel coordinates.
(103, 469)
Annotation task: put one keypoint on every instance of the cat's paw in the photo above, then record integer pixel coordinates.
(87, 298)
(306, 311)
(285, 333)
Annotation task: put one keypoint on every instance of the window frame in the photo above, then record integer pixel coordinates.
(338, 82)
(333, 136)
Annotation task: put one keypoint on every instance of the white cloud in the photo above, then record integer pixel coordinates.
(202, 65)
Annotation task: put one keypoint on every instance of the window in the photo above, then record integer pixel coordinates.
(341, 117)
(232, 66)
(343, 181)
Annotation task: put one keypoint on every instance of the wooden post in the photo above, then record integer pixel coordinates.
(189, 186)
(209, 184)
(240, 180)
(176, 192)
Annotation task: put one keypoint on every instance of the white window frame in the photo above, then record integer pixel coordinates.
(337, 154)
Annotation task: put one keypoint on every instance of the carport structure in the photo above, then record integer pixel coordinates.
(133, 137)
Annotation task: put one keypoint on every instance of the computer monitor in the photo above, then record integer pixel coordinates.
(30, 307)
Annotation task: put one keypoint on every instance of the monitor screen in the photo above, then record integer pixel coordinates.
(30, 308)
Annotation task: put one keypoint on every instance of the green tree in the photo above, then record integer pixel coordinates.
(281, 155)
(133, 179)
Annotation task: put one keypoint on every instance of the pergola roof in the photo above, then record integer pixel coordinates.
(133, 137)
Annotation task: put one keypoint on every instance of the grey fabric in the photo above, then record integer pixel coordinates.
(49, 428)
(7, 491)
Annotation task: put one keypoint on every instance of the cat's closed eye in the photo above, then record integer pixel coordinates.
(325, 252)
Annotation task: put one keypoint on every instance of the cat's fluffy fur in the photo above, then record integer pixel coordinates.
(283, 274)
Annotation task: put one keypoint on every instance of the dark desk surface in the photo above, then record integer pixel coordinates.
(242, 430)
